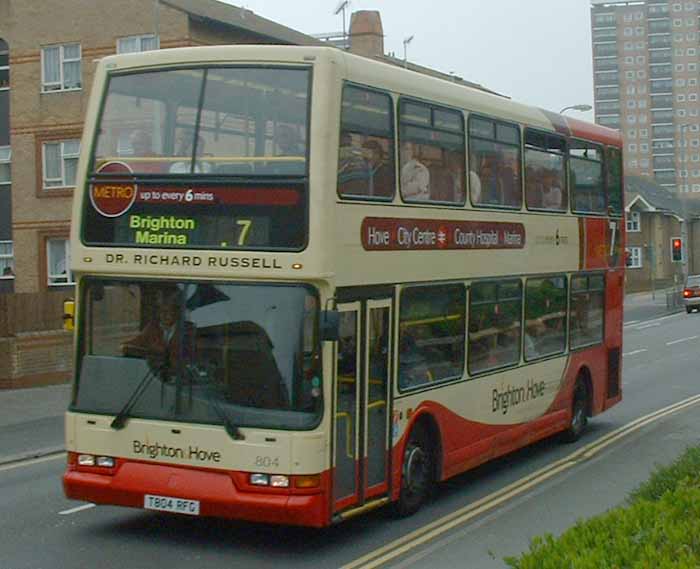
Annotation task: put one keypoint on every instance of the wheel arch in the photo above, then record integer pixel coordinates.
(584, 376)
(427, 422)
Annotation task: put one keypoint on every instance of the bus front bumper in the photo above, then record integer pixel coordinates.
(217, 492)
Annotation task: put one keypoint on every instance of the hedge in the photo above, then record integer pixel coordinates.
(659, 528)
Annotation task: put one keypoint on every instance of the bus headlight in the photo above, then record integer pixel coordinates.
(86, 460)
(105, 461)
(260, 479)
(279, 481)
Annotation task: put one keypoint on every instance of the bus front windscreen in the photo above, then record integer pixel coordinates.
(222, 354)
(208, 158)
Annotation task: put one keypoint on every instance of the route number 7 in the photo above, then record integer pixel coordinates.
(245, 225)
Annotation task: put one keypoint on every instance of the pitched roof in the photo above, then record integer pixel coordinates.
(649, 195)
(241, 18)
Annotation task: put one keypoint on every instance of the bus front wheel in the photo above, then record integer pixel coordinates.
(416, 473)
(579, 414)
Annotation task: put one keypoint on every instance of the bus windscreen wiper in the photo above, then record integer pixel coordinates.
(230, 427)
(120, 420)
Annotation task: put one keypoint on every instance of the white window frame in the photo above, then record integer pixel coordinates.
(3, 258)
(59, 279)
(62, 182)
(6, 159)
(59, 86)
(635, 257)
(633, 222)
(140, 38)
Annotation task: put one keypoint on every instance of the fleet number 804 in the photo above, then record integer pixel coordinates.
(267, 461)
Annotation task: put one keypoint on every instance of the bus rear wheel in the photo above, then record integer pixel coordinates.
(579, 414)
(416, 474)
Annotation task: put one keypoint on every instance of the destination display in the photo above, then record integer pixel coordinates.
(122, 212)
(395, 234)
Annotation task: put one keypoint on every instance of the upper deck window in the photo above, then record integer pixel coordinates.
(545, 171)
(494, 163)
(588, 190)
(212, 158)
(614, 181)
(432, 153)
(366, 154)
(230, 121)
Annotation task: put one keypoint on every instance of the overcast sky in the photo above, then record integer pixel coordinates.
(536, 51)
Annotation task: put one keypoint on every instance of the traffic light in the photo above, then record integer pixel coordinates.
(676, 249)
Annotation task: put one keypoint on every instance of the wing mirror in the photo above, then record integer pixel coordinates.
(330, 326)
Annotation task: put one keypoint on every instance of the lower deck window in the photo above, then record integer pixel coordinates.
(431, 334)
(494, 325)
(587, 309)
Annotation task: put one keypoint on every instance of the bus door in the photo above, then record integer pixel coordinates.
(361, 423)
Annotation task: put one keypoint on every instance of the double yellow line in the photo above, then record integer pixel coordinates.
(405, 544)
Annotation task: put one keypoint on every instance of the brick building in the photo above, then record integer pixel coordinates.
(44, 88)
(655, 219)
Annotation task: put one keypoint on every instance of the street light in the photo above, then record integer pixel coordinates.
(406, 41)
(582, 108)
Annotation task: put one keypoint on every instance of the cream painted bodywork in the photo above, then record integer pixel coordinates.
(199, 445)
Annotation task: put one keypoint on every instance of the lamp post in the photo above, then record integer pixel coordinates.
(406, 41)
(583, 108)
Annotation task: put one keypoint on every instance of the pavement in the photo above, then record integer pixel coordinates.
(31, 420)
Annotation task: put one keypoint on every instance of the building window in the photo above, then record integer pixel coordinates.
(644, 147)
(134, 44)
(634, 257)
(632, 147)
(633, 225)
(60, 160)
(58, 262)
(60, 67)
(5, 158)
(643, 133)
(7, 261)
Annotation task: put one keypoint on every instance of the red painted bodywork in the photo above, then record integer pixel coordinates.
(221, 494)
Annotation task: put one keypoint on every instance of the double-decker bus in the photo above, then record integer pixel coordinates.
(310, 284)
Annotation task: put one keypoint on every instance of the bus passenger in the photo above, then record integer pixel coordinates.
(446, 178)
(415, 178)
(353, 169)
(185, 151)
(491, 187)
(475, 187)
(287, 142)
(509, 179)
(551, 192)
(141, 143)
(381, 173)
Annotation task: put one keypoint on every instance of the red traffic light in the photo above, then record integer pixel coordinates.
(677, 243)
